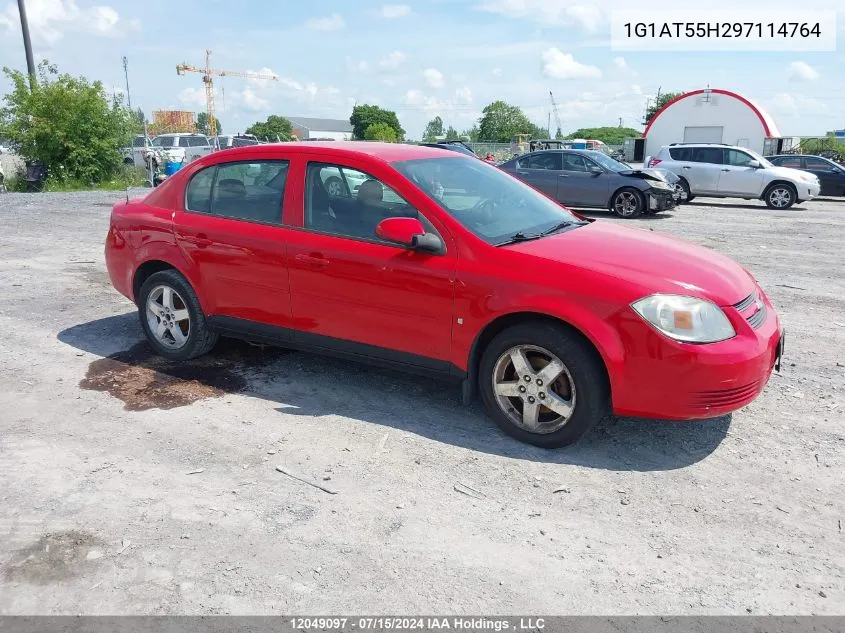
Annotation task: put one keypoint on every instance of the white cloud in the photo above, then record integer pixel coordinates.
(49, 20)
(393, 11)
(802, 71)
(333, 22)
(789, 104)
(548, 12)
(636, 89)
(357, 66)
(560, 65)
(265, 72)
(433, 77)
(620, 63)
(193, 97)
(252, 101)
(394, 60)
(463, 94)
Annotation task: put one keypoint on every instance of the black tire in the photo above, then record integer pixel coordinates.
(778, 191)
(587, 372)
(200, 340)
(685, 186)
(625, 196)
(128, 161)
(336, 184)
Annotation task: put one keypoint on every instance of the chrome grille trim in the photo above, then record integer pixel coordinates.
(745, 303)
(756, 319)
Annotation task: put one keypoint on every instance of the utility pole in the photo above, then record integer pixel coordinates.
(620, 121)
(126, 75)
(27, 44)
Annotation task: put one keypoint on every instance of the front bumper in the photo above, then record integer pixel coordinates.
(808, 191)
(665, 379)
(661, 200)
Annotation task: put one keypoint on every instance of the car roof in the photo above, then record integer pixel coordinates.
(388, 152)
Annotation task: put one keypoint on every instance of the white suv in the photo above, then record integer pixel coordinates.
(726, 171)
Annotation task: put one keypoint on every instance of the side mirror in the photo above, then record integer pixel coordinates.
(754, 163)
(596, 170)
(410, 233)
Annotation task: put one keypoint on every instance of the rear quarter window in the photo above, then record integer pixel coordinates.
(680, 153)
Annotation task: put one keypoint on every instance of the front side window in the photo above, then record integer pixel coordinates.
(574, 162)
(817, 164)
(737, 158)
(484, 199)
(350, 203)
(251, 191)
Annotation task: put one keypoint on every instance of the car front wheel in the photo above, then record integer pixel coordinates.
(780, 196)
(543, 385)
(172, 317)
(628, 203)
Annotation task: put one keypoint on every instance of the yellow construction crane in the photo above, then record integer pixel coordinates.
(208, 73)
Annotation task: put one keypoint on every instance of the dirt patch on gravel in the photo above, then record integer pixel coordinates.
(55, 557)
(143, 380)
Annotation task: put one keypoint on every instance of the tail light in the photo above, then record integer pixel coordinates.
(654, 162)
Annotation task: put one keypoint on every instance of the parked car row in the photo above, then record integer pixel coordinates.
(726, 171)
(182, 147)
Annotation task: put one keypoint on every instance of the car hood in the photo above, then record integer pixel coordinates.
(650, 262)
(645, 174)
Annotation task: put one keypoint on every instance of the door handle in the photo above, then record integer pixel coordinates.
(686, 167)
(202, 241)
(726, 170)
(315, 260)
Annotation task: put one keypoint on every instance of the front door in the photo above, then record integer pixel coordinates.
(580, 187)
(831, 177)
(351, 291)
(231, 233)
(737, 178)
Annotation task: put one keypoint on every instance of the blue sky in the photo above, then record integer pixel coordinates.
(421, 59)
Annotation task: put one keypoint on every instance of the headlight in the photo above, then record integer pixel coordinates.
(659, 184)
(685, 318)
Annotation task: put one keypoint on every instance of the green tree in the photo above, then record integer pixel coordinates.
(67, 123)
(363, 116)
(433, 129)
(660, 101)
(472, 133)
(452, 133)
(203, 126)
(275, 126)
(610, 135)
(501, 121)
(380, 132)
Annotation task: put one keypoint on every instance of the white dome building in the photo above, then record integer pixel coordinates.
(712, 116)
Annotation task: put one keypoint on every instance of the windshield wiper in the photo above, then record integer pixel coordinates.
(520, 237)
(558, 227)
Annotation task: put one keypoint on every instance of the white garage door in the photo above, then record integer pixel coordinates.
(710, 134)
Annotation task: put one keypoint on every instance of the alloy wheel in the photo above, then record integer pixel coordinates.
(168, 317)
(626, 204)
(780, 197)
(534, 389)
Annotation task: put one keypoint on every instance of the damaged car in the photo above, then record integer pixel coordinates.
(592, 179)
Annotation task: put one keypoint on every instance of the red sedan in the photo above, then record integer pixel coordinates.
(425, 260)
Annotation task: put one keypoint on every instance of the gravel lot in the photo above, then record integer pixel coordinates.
(132, 486)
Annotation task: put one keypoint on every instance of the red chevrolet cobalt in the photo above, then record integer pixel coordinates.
(426, 260)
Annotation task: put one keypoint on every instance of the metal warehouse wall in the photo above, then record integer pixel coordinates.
(741, 122)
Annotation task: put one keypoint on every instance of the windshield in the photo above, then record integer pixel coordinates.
(484, 199)
(164, 141)
(606, 161)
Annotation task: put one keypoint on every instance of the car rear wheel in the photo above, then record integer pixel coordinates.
(780, 196)
(543, 385)
(628, 203)
(172, 317)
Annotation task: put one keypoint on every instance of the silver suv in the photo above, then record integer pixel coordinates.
(726, 171)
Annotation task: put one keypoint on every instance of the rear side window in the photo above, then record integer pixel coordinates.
(198, 193)
(713, 155)
(541, 161)
(243, 142)
(789, 161)
(680, 153)
(197, 141)
(250, 191)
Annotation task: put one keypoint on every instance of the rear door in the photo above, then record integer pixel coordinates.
(540, 170)
(831, 176)
(231, 231)
(737, 178)
(703, 170)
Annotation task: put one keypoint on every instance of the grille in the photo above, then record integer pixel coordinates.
(745, 303)
(719, 398)
(756, 319)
